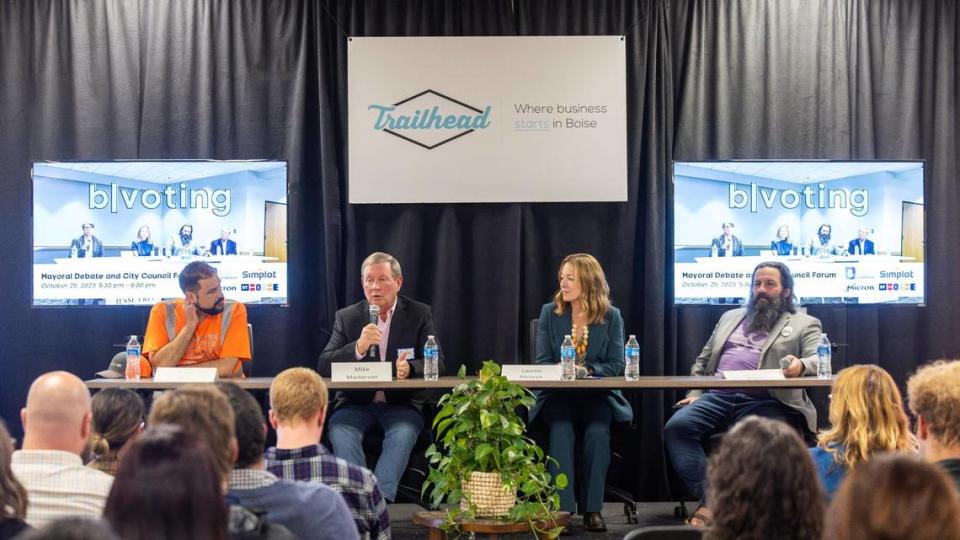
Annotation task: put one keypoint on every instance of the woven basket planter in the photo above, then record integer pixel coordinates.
(488, 494)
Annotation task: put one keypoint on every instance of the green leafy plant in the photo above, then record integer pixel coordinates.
(478, 429)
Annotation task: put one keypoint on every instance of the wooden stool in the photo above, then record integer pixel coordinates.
(490, 527)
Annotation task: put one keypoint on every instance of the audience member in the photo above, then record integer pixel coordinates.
(866, 418)
(167, 486)
(117, 419)
(205, 411)
(894, 497)
(73, 528)
(309, 510)
(581, 308)
(397, 337)
(56, 424)
(13, 497)
(298, 408)
(768, 331)
(200, 330)
(933, 394)
(763, 485)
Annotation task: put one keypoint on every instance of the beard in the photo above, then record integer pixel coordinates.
(215, 310)
(763, 312)
(824, 239)
(186, 238)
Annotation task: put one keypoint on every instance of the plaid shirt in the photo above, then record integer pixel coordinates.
(357, 485)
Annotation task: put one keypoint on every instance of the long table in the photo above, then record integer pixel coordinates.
(666, 382)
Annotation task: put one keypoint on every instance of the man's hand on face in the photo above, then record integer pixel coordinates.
(191, 314)
(370, 335)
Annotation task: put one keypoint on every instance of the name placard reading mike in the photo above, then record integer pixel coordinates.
(538, 372)
(360, 372)
(487, 119)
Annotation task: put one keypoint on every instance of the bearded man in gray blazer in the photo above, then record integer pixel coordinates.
(767, 331)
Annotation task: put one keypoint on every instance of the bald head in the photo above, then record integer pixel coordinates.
(57, 415)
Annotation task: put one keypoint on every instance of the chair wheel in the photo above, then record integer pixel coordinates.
(630, 511)
(680, 511)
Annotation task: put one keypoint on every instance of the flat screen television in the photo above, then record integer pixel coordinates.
(120, 232)
(851, 232)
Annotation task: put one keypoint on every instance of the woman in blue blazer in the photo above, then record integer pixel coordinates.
(581, 309)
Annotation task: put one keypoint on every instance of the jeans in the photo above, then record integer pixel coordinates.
(401, 425)
(562, 414)
(713, 412)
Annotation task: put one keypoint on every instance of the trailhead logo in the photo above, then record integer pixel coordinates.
(429, 119)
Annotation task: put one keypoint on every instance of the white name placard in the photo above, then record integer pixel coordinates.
(185, 375)
(536, 372)
(360, 371)
(753, 375)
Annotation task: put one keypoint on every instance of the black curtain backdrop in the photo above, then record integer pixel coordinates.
(706, 79)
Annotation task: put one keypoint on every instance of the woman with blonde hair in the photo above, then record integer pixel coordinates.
(866, 418)
(581, 309)
(13, 496)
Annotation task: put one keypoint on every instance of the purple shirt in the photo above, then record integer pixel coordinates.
(741, 352)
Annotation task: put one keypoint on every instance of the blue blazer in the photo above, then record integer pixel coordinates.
(867, 247)
(231, 248)
(604, 354)
(781, 247)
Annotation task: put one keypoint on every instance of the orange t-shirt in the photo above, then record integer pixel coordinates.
(206, 342)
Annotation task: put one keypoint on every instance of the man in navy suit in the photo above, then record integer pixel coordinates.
(727, 244)
(223, 245)
(87, 245)
(860, 245)
(399, 334)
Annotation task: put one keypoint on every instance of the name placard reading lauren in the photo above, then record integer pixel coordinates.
(360, 371)
(538, 372)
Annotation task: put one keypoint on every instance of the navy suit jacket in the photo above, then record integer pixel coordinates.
(604, 354)
(411, 324)
(737, 246)
(867, 247)
(231, 248)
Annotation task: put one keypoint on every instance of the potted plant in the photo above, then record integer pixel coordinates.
(484, 460)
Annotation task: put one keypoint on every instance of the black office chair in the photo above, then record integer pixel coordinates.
(665, 532)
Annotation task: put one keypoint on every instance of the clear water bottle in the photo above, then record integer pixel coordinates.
(714, 251)
(568, 360)
(133, 359)
(631, 359)
(431, 362)
(73, 251)
(824, 358)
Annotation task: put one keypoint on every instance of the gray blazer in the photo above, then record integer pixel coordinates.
(793, 333)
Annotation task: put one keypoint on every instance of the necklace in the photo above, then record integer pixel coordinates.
(580, 343)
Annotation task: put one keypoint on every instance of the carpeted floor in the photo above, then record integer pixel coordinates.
(658, 513)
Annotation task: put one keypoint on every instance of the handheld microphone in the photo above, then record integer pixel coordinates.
(374, 350)
(784, 363)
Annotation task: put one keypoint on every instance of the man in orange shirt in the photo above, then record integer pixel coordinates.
(202, 330)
